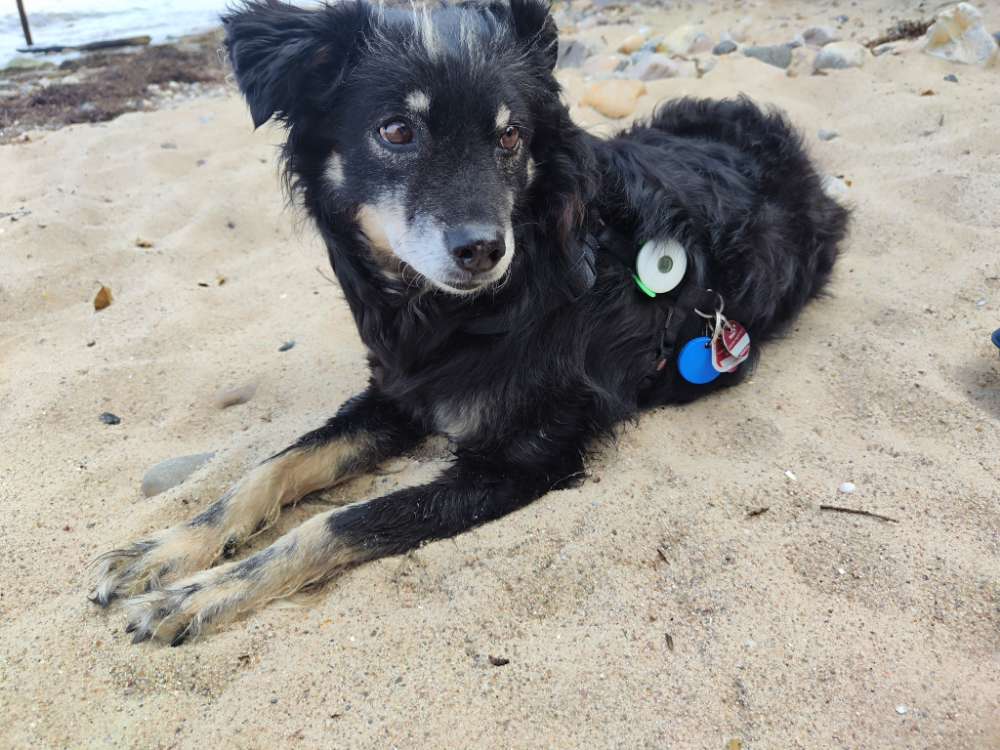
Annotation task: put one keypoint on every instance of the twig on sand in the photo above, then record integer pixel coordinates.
(758, 511)
(902, 30)
(856, 512)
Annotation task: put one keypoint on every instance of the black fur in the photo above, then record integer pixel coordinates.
(731, 182)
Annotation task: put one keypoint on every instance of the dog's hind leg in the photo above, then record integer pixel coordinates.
(470, 492)
(366, 430)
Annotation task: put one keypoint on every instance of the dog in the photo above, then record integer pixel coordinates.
(486, 247)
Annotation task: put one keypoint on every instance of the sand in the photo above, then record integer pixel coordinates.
(647, 608)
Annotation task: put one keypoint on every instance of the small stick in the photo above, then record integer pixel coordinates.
(839, 509)
(24, 23)
(758, 511)
(902, 30)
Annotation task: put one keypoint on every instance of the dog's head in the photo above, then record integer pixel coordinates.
(416, 124)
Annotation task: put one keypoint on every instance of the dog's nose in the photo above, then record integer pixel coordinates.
(475, 250)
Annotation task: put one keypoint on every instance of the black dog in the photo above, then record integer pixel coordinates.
(486, 247)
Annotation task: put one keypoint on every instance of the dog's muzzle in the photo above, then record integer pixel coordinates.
(475, 249)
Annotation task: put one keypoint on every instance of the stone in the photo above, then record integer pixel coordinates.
(724, 47)
(739, 31)
(232, 396)
(820, 36)
(653, 67)
(778, 55)
(827, 135)
(951, 78)
(837, 189)
(846, 488)
(685, 40)
(602, 65)
(172, 472)
(27, 63)
(632, 43)
(572, 54)
(840, 55)
(615, 98)
(109, 418)
(958, 35)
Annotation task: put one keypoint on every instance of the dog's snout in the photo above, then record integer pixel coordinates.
(475, 250)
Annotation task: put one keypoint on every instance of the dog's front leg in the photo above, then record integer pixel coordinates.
(366, 430)
(472, 491)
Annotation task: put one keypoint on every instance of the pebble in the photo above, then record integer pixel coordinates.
(655, 66)
(632, 43)
(724, 47)
(738, 32)
(686, 40)
(572, 54)
(846, 488)
(172, 472)
(109, 418)
(791, 475)
(614, 98)
(232, 396)
(827, 135)
(820, 36)
(840, 55)
(901, 709)
(604, 65)
(778, 55)
(958, 35)
(951, 77)
(286, 346)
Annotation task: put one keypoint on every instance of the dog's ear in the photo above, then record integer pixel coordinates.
(535, 27)
(285, 57)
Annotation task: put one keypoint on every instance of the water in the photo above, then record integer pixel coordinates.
(80, 21)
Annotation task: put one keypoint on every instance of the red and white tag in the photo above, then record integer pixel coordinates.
(730, 346)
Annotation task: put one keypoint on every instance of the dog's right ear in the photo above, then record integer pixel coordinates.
(287, 58)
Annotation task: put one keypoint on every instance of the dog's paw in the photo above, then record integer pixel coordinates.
(183, 610)
(143, 566)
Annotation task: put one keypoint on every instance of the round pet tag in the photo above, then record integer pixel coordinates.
(661, 265)
(695, 361)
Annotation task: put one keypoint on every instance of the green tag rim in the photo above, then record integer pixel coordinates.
(642, 287)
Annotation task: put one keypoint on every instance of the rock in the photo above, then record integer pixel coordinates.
(172, 472)
(951, 78)
(839, 55)
(226, 397)
(837, 189)
(109, 418)
(27, 63)
(901, 710)
(778, 55)
(958, 35)
(738, 32)
(724, 47)
(632, 43)
(841, 19)
(572, 54)
(653, 67)
(286, 346)
(802, 62)
(603, 65)
(827, 135)
(846, 488)
(686, 40)
(820, 36)
(614, 98)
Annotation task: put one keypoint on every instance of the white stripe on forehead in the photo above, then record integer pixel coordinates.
(503, 116)
(335, 170)
(426, 33)
(419, 102)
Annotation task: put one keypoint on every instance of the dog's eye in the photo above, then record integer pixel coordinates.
(396, 132)
(510, 139)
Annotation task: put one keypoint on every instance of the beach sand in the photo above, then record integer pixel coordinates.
(648, 608)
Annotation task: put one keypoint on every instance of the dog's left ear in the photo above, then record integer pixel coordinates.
(535, 27)
(288, 59)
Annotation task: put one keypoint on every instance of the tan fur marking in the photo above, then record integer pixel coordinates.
(304, 556)
(372, 228)
(253, 505)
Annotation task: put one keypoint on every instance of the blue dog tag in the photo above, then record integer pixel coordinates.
(695, 361)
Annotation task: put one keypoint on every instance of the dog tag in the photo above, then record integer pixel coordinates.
(661, 265)
(695, 361)
(730, 347)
